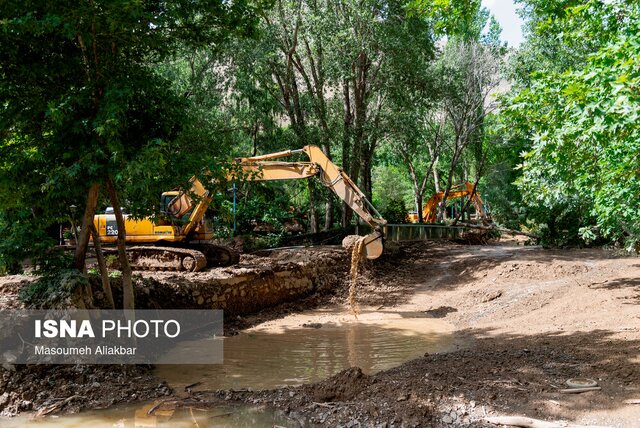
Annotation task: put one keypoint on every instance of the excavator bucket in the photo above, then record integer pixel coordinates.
(373, 245)
(370, 246)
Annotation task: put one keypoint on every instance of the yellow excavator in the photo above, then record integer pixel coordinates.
(182, 241)
(430, 209)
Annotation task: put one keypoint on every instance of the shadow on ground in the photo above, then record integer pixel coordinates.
(499, 374)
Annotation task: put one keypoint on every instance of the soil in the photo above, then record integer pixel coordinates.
(525, 320)
(48, 389)
(58, 388)
(529, 320)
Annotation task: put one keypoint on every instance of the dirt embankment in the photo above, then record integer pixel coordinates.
(531, 318)
(281, 282)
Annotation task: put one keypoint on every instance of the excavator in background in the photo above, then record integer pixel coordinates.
(430, 209)
(182, 240)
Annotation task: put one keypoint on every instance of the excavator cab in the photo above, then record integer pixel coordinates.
(165, 200)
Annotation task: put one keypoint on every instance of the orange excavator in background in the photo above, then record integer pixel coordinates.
(430, 209)
(182, 239)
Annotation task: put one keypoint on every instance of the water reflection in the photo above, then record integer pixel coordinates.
(265, 359)
(131, 416)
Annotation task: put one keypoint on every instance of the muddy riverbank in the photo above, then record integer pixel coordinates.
(494, 330)
(262, 286)
(528, 320)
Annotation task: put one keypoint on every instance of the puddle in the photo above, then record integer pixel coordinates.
(271, 358)
(274, 356)
(135, 416)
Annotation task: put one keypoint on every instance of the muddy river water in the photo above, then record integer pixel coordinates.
(298, 349)
(278, 356)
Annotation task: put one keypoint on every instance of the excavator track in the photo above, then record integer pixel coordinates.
(217, 255)
(193, 258)
(166, 258)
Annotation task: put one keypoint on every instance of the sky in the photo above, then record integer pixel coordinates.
(505, 13)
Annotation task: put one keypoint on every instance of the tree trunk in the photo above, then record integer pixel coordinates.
(417, 197)
(367, 180)
(346, 147)
(102, 266)
(360, 68)
(80, 255)
(328, 214)
(314, 221)
(457, 151)
(436, 177)
(128, 299)
(442, 207)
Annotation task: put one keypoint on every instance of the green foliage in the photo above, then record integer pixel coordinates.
(580, 127)
(150, 93)
(452, 17)
(270, 204)
(20, 240)
(261, 242)
(81, 98)
(395, 211)
(390, 183)
(52, 290)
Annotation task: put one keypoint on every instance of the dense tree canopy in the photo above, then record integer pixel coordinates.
(408, 98)
(574, 115)
(82, 105)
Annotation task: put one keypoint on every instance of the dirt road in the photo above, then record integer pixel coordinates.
(529, 320)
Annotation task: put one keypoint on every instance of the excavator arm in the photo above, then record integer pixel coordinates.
(429, 212)
(264, 168)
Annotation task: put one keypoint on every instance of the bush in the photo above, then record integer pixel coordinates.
(53, 289)
(395, 212)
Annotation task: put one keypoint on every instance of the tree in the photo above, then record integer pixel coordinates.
(579, 125)
(470, 71)
(420, 151)
(82, 103)
(331, 67)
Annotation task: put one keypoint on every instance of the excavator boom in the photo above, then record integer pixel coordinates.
(429, 211)
(264, 168)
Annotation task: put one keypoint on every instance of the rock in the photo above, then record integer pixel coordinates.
(447, 419)
(312, 325)
(491, 296)
(402, 398)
